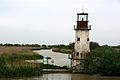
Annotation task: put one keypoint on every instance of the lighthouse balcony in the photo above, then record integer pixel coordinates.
(82, 28)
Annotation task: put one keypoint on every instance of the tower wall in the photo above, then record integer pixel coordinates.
(82, 45)
(81, 48)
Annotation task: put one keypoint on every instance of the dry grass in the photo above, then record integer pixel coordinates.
(14, 49)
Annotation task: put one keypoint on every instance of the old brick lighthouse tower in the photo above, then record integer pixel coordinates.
(81, 48)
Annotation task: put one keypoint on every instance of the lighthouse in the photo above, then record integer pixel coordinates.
(81, 47)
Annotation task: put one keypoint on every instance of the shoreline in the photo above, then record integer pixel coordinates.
(61, 50)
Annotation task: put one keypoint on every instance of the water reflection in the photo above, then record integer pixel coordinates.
(56, 77)
(80, 77)
(61, 76)
(67, 76)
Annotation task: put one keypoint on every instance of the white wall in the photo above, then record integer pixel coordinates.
(82, 46)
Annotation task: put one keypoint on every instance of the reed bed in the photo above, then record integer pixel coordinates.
(12, 62)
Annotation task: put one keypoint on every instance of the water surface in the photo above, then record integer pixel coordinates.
(67, 76)
(60, 59)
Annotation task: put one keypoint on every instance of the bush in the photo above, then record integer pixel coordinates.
(104, 61)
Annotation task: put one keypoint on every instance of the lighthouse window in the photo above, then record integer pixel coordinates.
(81, 55)
(87, 39)
(80, 63)
(77, 53)
(78, 39)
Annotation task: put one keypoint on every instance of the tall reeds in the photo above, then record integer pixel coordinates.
(14, 65)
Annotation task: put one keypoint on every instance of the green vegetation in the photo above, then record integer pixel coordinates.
(50, 66)
(67, 51)
(14, 65)
(104, 60)
(94, 45)
(32, 46)
(62, 48)
(12, 62)
(22, 45)
(45, 47)
(20, 71)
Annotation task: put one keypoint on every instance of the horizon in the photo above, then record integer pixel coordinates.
(50, 44)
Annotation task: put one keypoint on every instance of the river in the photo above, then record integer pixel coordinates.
(61, 60)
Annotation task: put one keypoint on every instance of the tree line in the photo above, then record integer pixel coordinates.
(22, 45)
(93, 45)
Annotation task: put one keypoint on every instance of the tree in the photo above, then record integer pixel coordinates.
(44, 46)
(71, 45)
(94, 45)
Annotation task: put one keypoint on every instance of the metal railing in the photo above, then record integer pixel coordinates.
(76, 28)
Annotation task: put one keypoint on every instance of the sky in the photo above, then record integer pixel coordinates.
(52, 21)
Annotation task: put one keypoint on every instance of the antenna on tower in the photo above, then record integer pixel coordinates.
(82, 10)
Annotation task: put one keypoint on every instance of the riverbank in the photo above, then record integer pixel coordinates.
(62, 50)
